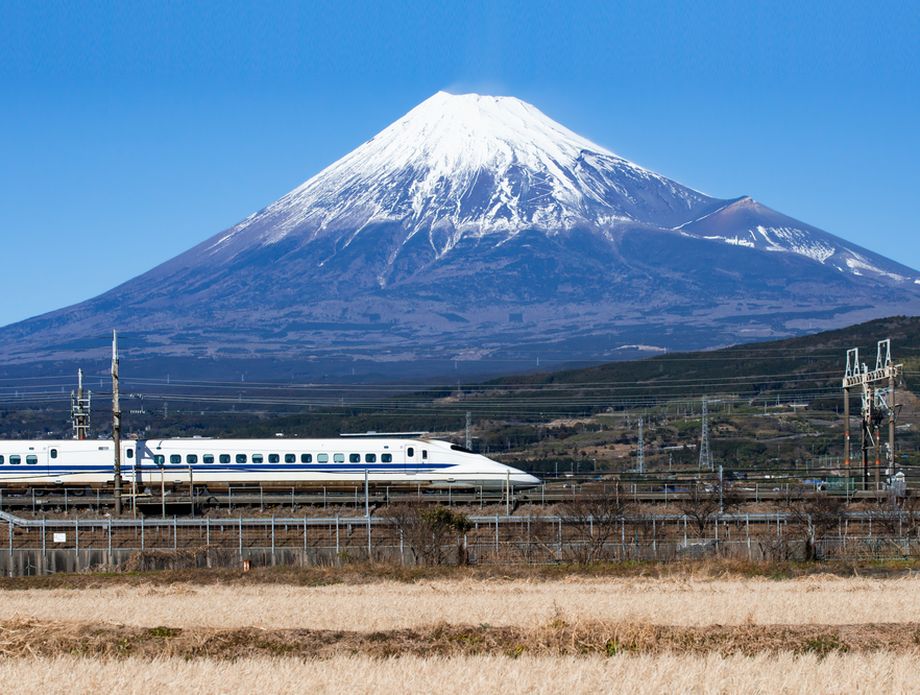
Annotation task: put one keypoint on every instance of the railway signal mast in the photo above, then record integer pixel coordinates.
(877, 400)
(80, 404)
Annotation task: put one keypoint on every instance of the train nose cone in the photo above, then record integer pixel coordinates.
(525, 480)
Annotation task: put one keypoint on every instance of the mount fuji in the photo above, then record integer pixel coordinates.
(476, 230)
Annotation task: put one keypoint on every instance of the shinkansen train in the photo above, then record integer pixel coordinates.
(345, 461)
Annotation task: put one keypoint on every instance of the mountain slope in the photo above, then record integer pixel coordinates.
(476, 228)
(745, 222)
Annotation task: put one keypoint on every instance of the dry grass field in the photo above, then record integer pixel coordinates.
(816, 633)
(396, 605)
(639, 675)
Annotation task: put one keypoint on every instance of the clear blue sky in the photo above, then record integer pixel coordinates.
(131, 131)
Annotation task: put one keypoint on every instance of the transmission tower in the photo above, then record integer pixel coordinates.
(705, 451)
(641, 446)
(468, 438)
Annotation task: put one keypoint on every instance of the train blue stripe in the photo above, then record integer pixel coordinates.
(231, 468)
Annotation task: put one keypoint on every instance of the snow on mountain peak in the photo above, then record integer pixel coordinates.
(477, 164)
(469, 165)
(472, 131)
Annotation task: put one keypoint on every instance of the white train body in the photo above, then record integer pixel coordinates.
(289, 462)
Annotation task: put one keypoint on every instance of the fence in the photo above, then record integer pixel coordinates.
(40, 546)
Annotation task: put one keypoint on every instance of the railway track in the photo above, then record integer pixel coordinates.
(57, 499)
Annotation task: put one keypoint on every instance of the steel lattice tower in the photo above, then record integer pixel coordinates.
(80, 405)
(705, 451)
(877, 391)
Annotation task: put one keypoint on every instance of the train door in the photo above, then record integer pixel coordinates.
(410, 456)
(44, 459)
(130, 461)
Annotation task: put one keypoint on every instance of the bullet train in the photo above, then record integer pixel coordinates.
(341, 462)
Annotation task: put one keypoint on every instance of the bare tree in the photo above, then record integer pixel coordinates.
(705, 500)
(536, 540)
(813, 515)
(594, 520)
(428, 531)
(899, 519)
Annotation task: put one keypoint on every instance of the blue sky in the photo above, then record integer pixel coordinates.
(131, 131)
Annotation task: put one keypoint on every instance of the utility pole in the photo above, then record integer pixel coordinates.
(721, 491)
(116, 424)
(641, 465)
(705, 452)
(468, 439)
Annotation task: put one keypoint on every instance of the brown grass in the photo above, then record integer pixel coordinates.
(27, 639)
(359, 573)
(640, 675)
(677, 633)
(393, 605)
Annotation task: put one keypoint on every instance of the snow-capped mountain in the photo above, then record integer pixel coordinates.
(477, 228)
(473, 165)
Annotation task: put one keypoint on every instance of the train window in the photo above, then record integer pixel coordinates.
(370, 458)
(159, 459)
(54, 454)
(31, 459)
(457, 447)
(224, 458)
(322, 458)
(274, 458)
(410, 452)
(338, 458)
(386, 458)
(241, 458)
(191, 458)
(15, 460)
(130, 453)
(424, 453)
(1, 459)
(207, 458)
(354, 458)
(258, 458)
(175, 458)
(290, 458)
(306, 458)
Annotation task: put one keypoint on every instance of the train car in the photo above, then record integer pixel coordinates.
(340, 462)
